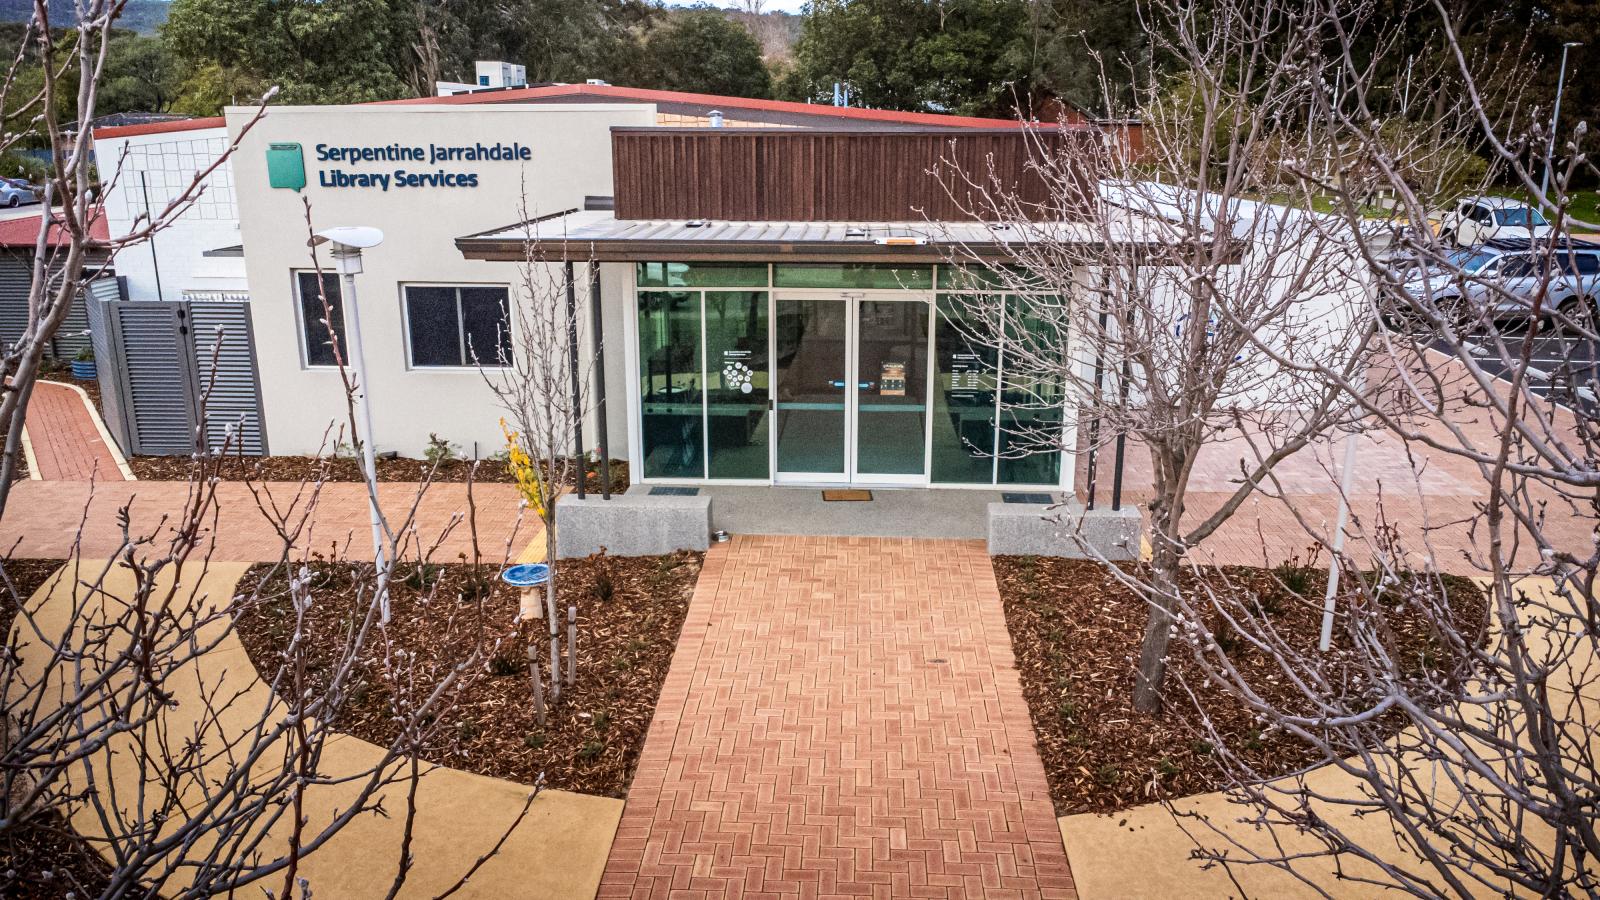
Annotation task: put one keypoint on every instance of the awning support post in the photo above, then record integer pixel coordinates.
(600, 382)
(577, 385)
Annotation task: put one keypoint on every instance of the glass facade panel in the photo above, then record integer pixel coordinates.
(854, 275)
(892, 371)
(701, 274)
(736, 384)
(966, 366)
(977, 278)
(671, 399)
(1031, 412)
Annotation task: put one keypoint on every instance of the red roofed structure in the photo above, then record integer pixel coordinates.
(24, 232)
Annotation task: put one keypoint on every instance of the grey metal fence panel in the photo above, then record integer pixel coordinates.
(158, 367)
(108, 358)
(16, 281)
(225, 366)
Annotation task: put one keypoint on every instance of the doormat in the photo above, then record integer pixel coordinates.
(1019, 497)
(846, 494)
(662, 490)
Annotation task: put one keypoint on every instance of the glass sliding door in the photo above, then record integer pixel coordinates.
(811, 364)
(892, 343)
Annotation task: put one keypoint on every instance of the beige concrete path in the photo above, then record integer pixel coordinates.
(558, 852)
(1144, 853)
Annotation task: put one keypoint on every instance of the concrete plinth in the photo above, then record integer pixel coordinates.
(1068, 530)
(632, 524)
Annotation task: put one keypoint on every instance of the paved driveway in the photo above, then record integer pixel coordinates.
(842, 718)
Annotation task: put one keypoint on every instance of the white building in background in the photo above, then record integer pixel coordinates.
(768, 284)
(150, 166)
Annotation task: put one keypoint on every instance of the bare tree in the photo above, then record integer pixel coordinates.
(68, 75)
(1171, 269)
(542, 382)
(1480, 759)
(215, 794)
(1475, 757)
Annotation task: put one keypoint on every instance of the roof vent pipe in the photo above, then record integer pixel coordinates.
(716, 118)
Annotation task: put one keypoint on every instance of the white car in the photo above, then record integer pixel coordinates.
(1476, 220)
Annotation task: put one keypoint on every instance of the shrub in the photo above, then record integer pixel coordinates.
(422, 576)
(604, 586)
(507, 662)
(440, 450)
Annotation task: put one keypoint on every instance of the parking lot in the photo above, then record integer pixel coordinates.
(1563, 368)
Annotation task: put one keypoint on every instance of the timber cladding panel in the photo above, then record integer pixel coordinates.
(803, 175)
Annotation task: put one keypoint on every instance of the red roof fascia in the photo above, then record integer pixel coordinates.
(160, 127)
(647, 95)
(640, 95)
(24, 232)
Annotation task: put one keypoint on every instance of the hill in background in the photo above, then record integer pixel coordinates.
(143, 16)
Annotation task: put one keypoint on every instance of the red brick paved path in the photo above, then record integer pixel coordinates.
(843, 718)
(43, 518)
(66, 444)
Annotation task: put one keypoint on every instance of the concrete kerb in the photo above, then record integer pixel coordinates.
(559, 851)
(637, 523)
(1064, 530)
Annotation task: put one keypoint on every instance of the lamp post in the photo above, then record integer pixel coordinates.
(347, 242)
(1555, 118)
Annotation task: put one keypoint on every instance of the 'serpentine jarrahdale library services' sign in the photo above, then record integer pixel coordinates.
(345, 166)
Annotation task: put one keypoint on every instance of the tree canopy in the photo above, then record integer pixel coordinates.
(704, 51)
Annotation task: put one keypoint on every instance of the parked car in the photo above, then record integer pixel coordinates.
(1513, 270)
(1474, 220)
(15, 192)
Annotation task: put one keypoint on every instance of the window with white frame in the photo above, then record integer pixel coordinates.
(315, 318)
(457, 325)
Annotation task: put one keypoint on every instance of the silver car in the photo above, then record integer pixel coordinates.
(14, 192)
(1512, 272)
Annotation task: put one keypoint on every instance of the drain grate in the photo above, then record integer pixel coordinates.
(662, 490)
(1019, 497)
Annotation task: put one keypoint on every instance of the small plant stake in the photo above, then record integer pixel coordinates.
(572, 646)
(529, 578)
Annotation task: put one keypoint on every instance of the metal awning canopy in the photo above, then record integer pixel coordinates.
(599, 236)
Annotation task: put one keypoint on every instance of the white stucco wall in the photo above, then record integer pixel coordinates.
(160, 167)
(570, 159)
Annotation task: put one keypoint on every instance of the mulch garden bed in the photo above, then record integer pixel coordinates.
(347, 468)
(630, 611)
(44, 859)
(1076, 632)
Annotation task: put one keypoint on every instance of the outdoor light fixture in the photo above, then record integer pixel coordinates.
(347, 242)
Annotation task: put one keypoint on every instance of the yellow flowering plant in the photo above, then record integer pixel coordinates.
(530, 483)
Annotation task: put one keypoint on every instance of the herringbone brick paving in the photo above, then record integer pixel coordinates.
(843, 718)
(66, 443)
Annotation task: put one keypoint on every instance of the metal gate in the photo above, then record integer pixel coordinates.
(170, 370)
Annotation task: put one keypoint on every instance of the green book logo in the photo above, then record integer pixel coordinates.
(286, 168)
